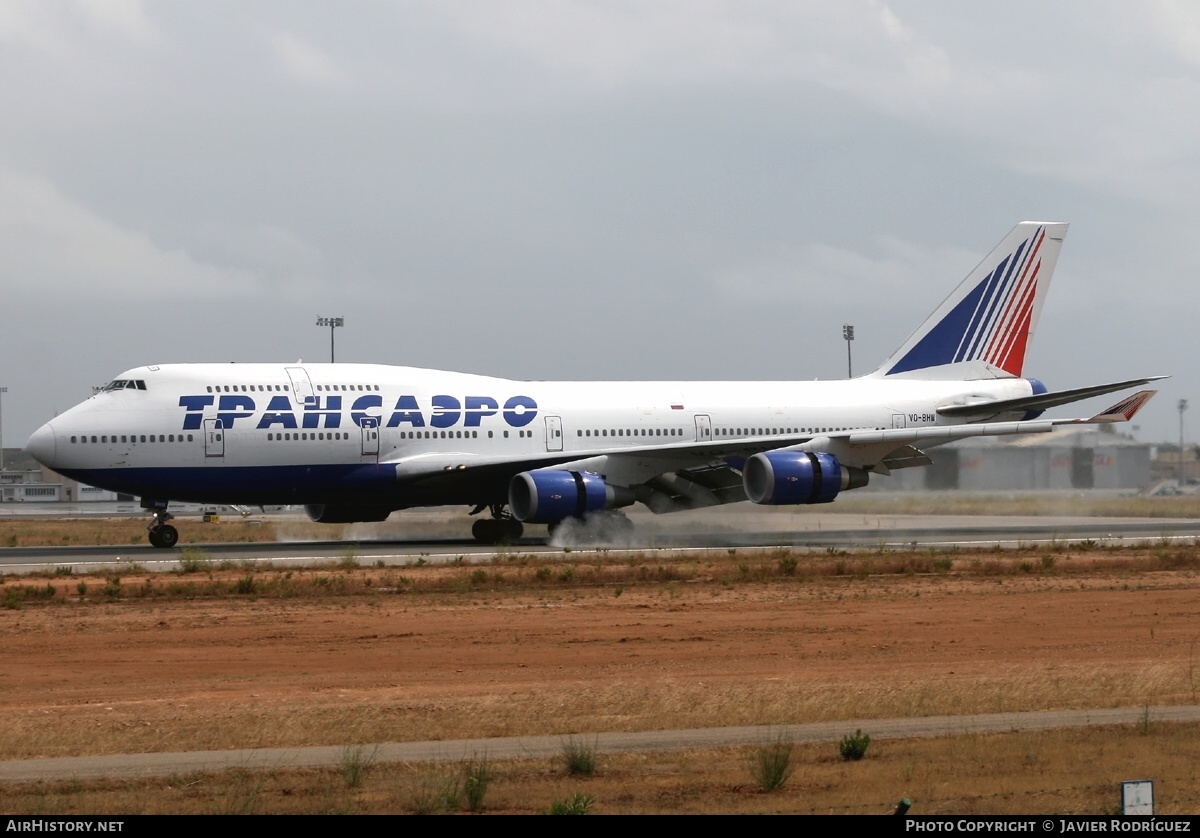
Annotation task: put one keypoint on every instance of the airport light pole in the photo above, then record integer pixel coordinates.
(332, 323)
(848, 334)
(3, 390)
(1182, 408)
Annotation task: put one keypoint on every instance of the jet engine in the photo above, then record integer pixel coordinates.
(794, 477)
(343, 513)
(545, 496)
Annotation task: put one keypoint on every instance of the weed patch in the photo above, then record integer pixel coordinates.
(771, 764)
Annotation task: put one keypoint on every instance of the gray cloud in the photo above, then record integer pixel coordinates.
(584, 189)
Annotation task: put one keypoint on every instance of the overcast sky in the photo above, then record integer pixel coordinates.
(597, 190)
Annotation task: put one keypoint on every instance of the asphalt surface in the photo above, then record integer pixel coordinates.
(718, 531)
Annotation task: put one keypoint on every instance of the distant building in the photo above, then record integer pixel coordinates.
(20, 486)
(23, 479)
(1084, 458)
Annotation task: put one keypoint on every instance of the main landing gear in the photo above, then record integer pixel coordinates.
(501, 528)
(162, 534)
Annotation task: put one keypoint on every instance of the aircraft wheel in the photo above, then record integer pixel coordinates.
(513, 530)
(166, 536)
(485, 531)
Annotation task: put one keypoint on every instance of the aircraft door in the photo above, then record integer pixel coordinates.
(554, 435)
(214, 438)
(370, 436)
(898, 420)
(301, 384)
(703, 428)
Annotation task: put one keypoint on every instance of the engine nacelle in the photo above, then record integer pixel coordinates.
(793, 477)
(1038, 389)
(547, 495)
(342, 513)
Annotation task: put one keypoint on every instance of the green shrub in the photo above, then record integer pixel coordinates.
(577, 805)
(13, 597)
(476, 776)
(854, 747)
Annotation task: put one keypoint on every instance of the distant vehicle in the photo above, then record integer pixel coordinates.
(355, 442)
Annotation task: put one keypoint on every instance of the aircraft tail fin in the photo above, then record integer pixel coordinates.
(982, 329)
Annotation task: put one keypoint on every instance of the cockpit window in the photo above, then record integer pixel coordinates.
(125, 384)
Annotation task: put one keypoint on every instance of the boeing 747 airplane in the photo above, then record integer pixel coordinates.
(356, 442)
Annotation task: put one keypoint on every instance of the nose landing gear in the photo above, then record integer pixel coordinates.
(162, 534)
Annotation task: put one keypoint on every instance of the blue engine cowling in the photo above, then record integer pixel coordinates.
(548, 495)
(1038, 389)
(793, 477)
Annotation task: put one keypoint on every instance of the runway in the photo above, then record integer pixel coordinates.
(386, 545)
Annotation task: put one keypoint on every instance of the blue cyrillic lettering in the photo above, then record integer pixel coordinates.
(194, 405)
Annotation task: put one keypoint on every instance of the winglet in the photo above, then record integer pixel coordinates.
(1123, 410)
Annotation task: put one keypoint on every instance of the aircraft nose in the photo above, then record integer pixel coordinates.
(43, 445)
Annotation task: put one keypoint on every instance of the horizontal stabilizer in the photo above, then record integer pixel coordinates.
(1124, 410)
(983, 410)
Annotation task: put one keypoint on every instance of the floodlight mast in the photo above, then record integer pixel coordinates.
(332, 323)
(848, 334)
(3, 390)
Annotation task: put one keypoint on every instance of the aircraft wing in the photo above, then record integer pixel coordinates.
(687, 475)
(976, 411)
(875, 450)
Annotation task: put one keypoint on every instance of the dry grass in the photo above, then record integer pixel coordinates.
(516, 585)
(329, 719)
(1046, 772)
(73, 532)
(200, 575)
(1055, 772)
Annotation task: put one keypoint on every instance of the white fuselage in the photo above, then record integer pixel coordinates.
(317, 433)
